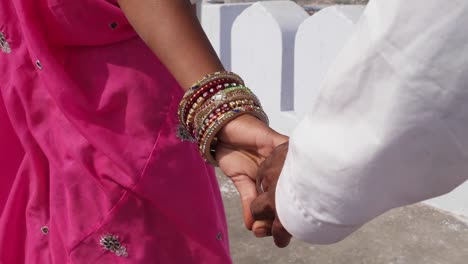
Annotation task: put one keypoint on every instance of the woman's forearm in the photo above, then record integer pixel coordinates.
(171, 29)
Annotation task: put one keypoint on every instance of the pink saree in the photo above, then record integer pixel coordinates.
(91, 169)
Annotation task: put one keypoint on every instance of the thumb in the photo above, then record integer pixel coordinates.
(281, 236)
(248, 192)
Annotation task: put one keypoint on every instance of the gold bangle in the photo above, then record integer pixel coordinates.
(235, 98)
(210, 134)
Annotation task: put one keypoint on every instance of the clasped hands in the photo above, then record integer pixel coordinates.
(252, 155)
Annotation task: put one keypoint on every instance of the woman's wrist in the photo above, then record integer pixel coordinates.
(213, 102)
(242, 123)
(254, 133)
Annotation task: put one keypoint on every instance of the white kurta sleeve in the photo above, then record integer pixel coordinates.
(390, 127)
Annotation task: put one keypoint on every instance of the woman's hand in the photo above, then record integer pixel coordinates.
(243, 144)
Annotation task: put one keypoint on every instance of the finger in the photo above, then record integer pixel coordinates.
(259, 180)
(248, 193)
(262, 208)
(266, 169)
(281, 236)
(241, 171)
(262, 184)
(262, 228)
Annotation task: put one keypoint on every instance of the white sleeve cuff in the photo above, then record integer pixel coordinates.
(295, 218)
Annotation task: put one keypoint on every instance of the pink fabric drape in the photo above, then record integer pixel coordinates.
(95, 112)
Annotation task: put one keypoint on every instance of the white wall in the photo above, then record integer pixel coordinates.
(283, 54)
(217, 20)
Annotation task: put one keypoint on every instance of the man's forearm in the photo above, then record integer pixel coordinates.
(390, 127)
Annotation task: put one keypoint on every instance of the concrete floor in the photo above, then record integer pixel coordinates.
(412, 235)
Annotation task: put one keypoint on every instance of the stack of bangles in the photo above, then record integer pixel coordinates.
(210, 104)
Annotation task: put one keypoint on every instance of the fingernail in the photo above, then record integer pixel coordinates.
(261, 232)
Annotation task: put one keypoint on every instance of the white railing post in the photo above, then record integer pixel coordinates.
(217, 20)
(319, 40)
(263, 54)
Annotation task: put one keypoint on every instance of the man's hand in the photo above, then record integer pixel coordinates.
(264, 206)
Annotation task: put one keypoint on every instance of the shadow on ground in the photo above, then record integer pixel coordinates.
(412, 235)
